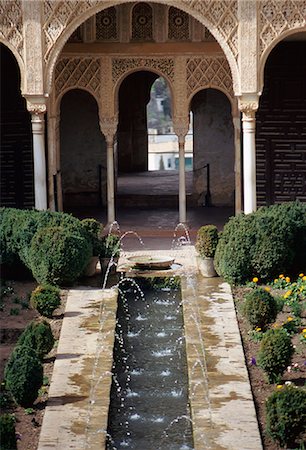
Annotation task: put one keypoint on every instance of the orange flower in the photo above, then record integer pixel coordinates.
(287, 279)
(304, 278)
(281, 276)
(301, 275)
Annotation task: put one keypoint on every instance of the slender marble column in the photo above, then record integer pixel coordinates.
(40, 179)
(109, 127)
(182, 181)
(238, 187)
(249, 160)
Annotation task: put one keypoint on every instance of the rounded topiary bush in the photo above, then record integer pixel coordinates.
(275, 353)
(7, 432)
(260, 308)
(286, 415)
(267, 242)
(94, 230)
(24, 375)
(46, 299)
(38, 336)
(207, 240)
(59, 255)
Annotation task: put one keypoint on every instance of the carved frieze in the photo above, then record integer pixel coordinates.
(11, 24)
(83, 72)
(164, 66)
(277, 16)
(204, 72)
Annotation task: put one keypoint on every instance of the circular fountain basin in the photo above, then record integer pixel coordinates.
(151, 262)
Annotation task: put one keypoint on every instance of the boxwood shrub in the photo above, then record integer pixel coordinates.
(207, 240)
(265, 243)
(24, 375)
(275, 353)
(38, 336)
(58, 255)
(286, 415)
(7, 432)
(260, 308)
(46, 298)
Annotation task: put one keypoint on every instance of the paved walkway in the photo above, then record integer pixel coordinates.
(222, 408)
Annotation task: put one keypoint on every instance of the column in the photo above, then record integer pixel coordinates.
(38, 131)
(237, 144)
(180, 126)
(109, 128)
(249, 155)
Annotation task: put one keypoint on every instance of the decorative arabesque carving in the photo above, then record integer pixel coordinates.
(78, 72)
(277, 16)
(11, 24)
(142, 22)
(164, 66)
(178, 24)
(203, 72)
(106, 25)
(223, 16)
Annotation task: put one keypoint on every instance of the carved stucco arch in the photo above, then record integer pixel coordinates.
(53, 53)
(117, 85)
(19, 60)
(265, 55)
(231, 98)
(59, 97)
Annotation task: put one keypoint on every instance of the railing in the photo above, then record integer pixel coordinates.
(208, 201)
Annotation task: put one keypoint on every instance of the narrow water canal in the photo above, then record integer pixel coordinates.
(149, 395)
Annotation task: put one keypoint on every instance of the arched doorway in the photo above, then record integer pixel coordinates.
(281, 125)
(213, 149)
(17, 187)
(83, 152)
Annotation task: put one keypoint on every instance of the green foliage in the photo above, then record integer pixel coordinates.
(24, 375)
(275, 353)
(59, 255)
(38, 336)
(110, 246)
(207, 240)
(94, 230)
(259, 308)
(46, 299)
(286, 415)
(267, 242)
(14, 312)
(20, 227)
(7, 432)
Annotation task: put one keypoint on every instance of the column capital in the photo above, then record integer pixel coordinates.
(108, 126)
(248, 105)
(36, 104)
(181, 127)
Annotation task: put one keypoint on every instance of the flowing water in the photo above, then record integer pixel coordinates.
(149, 396)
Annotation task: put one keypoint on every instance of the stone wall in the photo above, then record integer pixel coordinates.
(213, 144)
(83, 148)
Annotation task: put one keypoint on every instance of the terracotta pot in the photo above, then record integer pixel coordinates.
(206, 267)
(90, 269)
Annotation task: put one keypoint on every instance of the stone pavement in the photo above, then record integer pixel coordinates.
(222, 408)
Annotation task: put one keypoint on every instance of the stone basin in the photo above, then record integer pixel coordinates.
(151, 262)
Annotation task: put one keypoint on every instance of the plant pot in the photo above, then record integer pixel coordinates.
(206, 267)
(104, 265)
(90, 269)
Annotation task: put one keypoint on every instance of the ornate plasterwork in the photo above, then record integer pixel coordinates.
(277, 16)
(121, 66)
(11, 24)
(82, 72)
(204, 72)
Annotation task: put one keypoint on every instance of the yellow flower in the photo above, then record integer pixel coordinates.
(257, 329)
(275, 325)
(287, 279)
(304, 278)
(279, 386)
(290, 319)
(281, 276)
(301, 275)
(304, 330)
(267, 288)
(255, 280)
(276, 280)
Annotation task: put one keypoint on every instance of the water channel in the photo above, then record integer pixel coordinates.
(149, 407)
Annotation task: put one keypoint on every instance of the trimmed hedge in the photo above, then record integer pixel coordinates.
(24, 232)
(265, 243)
(286, 415)
(207, 240)
(7, 432)
(46, 299)
(38, 336)
(260, 308)
(24, 375)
